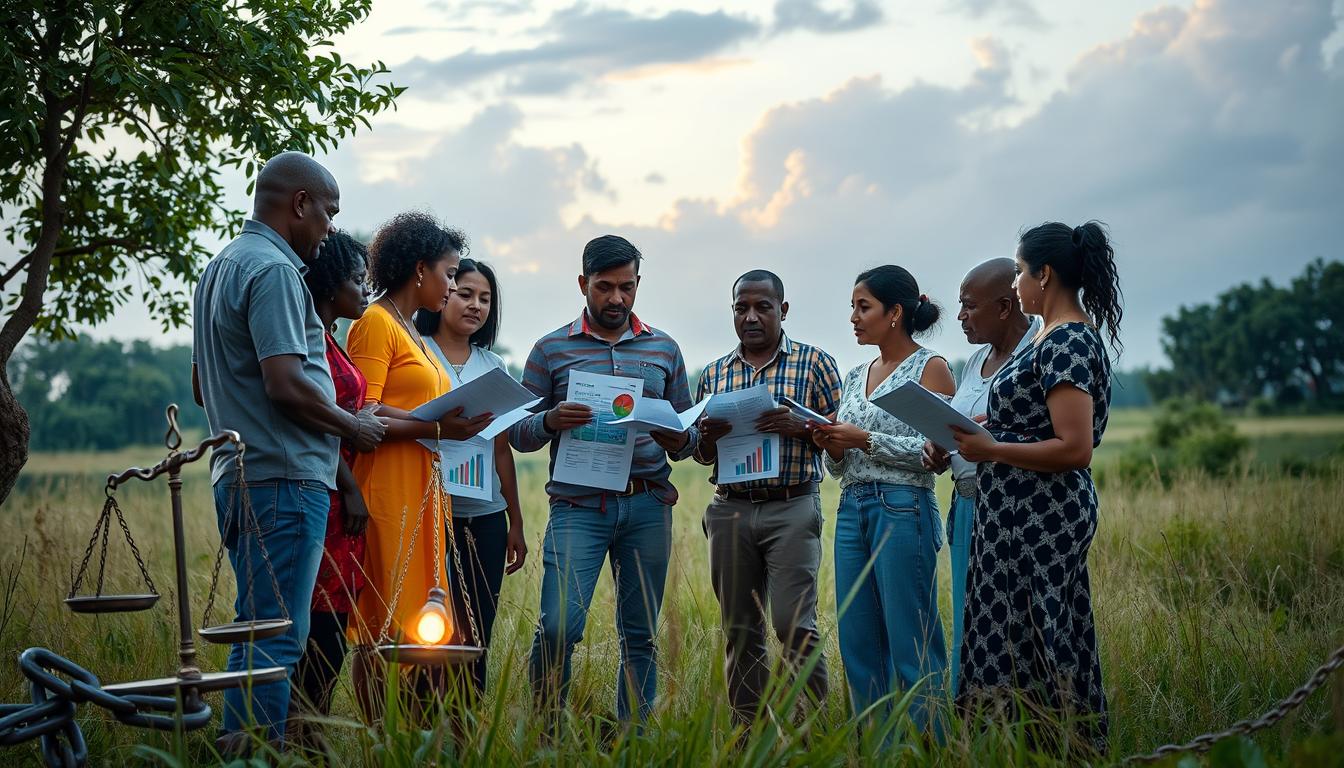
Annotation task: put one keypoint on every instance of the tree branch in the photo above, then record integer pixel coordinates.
(14, 270)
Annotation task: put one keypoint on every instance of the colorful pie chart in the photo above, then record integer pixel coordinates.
(623, 405)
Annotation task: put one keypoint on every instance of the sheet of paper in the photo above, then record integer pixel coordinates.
(651, 414)
(753, 456)
(802, 410)
(468, 467)
(741, 408)
(501, 423)
(926, 413)
(494, 391)
(598, 454)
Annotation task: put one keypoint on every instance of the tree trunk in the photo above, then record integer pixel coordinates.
(14, 433)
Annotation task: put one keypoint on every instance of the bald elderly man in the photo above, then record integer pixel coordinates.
(259, 368)
(991, 316)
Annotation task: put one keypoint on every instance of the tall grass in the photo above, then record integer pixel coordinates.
(1214, 599)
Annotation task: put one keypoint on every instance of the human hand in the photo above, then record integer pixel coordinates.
(839, 436)
(713, 430)
(672, 442)
(354, 512)
(935, 459)
(784, 422)
(974, 446)
(567, 415)
(369, 429)
(515, 546)
(454, 426)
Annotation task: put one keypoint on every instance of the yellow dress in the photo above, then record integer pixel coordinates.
(394, 479)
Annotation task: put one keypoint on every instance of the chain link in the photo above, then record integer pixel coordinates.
(101, 529)
(51, 715)
(462, 582)
(1248, 726)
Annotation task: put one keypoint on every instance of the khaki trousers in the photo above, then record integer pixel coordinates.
(764, 557)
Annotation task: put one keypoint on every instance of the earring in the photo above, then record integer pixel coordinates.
(420, 280)
(893, 323)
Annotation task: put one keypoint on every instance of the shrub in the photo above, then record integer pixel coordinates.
(1187, 435)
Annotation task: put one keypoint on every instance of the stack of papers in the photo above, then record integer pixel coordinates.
(927, 413)
(493, 392)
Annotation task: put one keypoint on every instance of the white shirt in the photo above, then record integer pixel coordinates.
(972, 397)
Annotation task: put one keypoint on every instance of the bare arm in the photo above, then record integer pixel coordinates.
(516, 547)
(1070, 448)
(299, 399)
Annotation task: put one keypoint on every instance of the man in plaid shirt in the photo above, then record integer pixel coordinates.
(765, 535)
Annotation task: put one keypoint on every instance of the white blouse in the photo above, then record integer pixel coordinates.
(897, 448)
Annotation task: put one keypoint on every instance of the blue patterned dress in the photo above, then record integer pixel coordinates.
(1028, 617)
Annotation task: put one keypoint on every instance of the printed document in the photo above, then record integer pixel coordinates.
(598, 454)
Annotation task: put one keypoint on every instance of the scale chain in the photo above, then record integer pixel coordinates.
(462, 582)
(78, 580)
(135, 551)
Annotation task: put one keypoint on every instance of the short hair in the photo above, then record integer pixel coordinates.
(341, 257)
(427, 323)
(409, 238)
(608, 252)
(762, 276)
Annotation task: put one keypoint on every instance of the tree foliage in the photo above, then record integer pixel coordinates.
(1260, 341)
(118, 118)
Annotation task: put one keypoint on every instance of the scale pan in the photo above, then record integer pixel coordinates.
(244, 631)
(111, 603)
(207, 683)
(430, 655)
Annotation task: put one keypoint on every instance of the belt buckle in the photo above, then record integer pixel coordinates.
(629, 489)
(758, 495)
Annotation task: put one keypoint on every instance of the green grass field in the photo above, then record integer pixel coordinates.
(1214, 599)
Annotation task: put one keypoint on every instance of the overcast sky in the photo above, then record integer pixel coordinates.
(820, 137)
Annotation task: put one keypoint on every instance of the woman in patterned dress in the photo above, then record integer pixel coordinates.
(1029, 628)
(887, 531)
(338, 281)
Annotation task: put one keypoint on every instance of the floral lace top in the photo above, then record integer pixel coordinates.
(896, 447)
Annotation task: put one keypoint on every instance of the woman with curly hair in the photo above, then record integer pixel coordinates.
(338, 282)
(413, 260)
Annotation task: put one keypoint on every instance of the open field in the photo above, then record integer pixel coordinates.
(1214, 599)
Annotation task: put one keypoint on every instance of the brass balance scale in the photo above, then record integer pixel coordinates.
(190, 681)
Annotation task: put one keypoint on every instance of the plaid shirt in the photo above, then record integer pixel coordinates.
(799, 371)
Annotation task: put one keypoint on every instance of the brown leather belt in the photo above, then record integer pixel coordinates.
(636, 485)
(762, 495)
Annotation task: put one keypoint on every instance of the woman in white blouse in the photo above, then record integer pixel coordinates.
(888, 531)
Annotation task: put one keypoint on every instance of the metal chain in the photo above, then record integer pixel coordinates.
(462, 581)
(383, 635)
(78, 580)
(57, 685)
(1248, 726)
(261, 548)
(135, 551)
(102, 556)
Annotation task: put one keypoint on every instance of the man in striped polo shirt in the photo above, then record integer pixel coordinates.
(586, 524)
(765, 535)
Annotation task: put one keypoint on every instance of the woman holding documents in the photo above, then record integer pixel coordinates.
(488, 532)
(413, 261)
(1029, 623)
(887, 530)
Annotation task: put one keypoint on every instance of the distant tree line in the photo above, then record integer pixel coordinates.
(1260, 345)
(101, 395)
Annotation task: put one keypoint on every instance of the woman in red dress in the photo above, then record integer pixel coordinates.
(338, 282)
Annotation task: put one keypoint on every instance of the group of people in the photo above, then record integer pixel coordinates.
(341, 486)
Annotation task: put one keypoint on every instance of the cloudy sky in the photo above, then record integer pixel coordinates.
(820, 137)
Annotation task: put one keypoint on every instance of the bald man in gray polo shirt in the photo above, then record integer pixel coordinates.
(259, 368)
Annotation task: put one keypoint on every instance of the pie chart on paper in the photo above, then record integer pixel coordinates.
(623, 405)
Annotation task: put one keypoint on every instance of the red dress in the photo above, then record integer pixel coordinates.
(341, 576)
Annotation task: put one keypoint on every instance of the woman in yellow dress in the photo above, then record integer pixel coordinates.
(412, 263)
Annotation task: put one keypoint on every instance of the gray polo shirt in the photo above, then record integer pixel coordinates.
(251, 304)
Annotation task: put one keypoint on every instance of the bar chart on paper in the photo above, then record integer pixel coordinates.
(468, 468)
(749, 457)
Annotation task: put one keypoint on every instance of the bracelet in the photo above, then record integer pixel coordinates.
(868, 448)
(438, 432)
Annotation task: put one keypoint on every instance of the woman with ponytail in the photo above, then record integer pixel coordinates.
(1029, 628)
(887, 529)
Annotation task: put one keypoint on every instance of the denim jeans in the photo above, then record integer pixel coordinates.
(637, 533)
(890, 635)
(960, 523)
(291, 518)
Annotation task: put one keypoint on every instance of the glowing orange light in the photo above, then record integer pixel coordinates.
(431, 625)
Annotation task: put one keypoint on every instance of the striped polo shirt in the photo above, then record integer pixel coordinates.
(643, 352)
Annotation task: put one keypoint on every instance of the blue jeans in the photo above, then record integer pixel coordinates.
(637, 532)
(960, 522)
(890, 635)
(291, 516)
